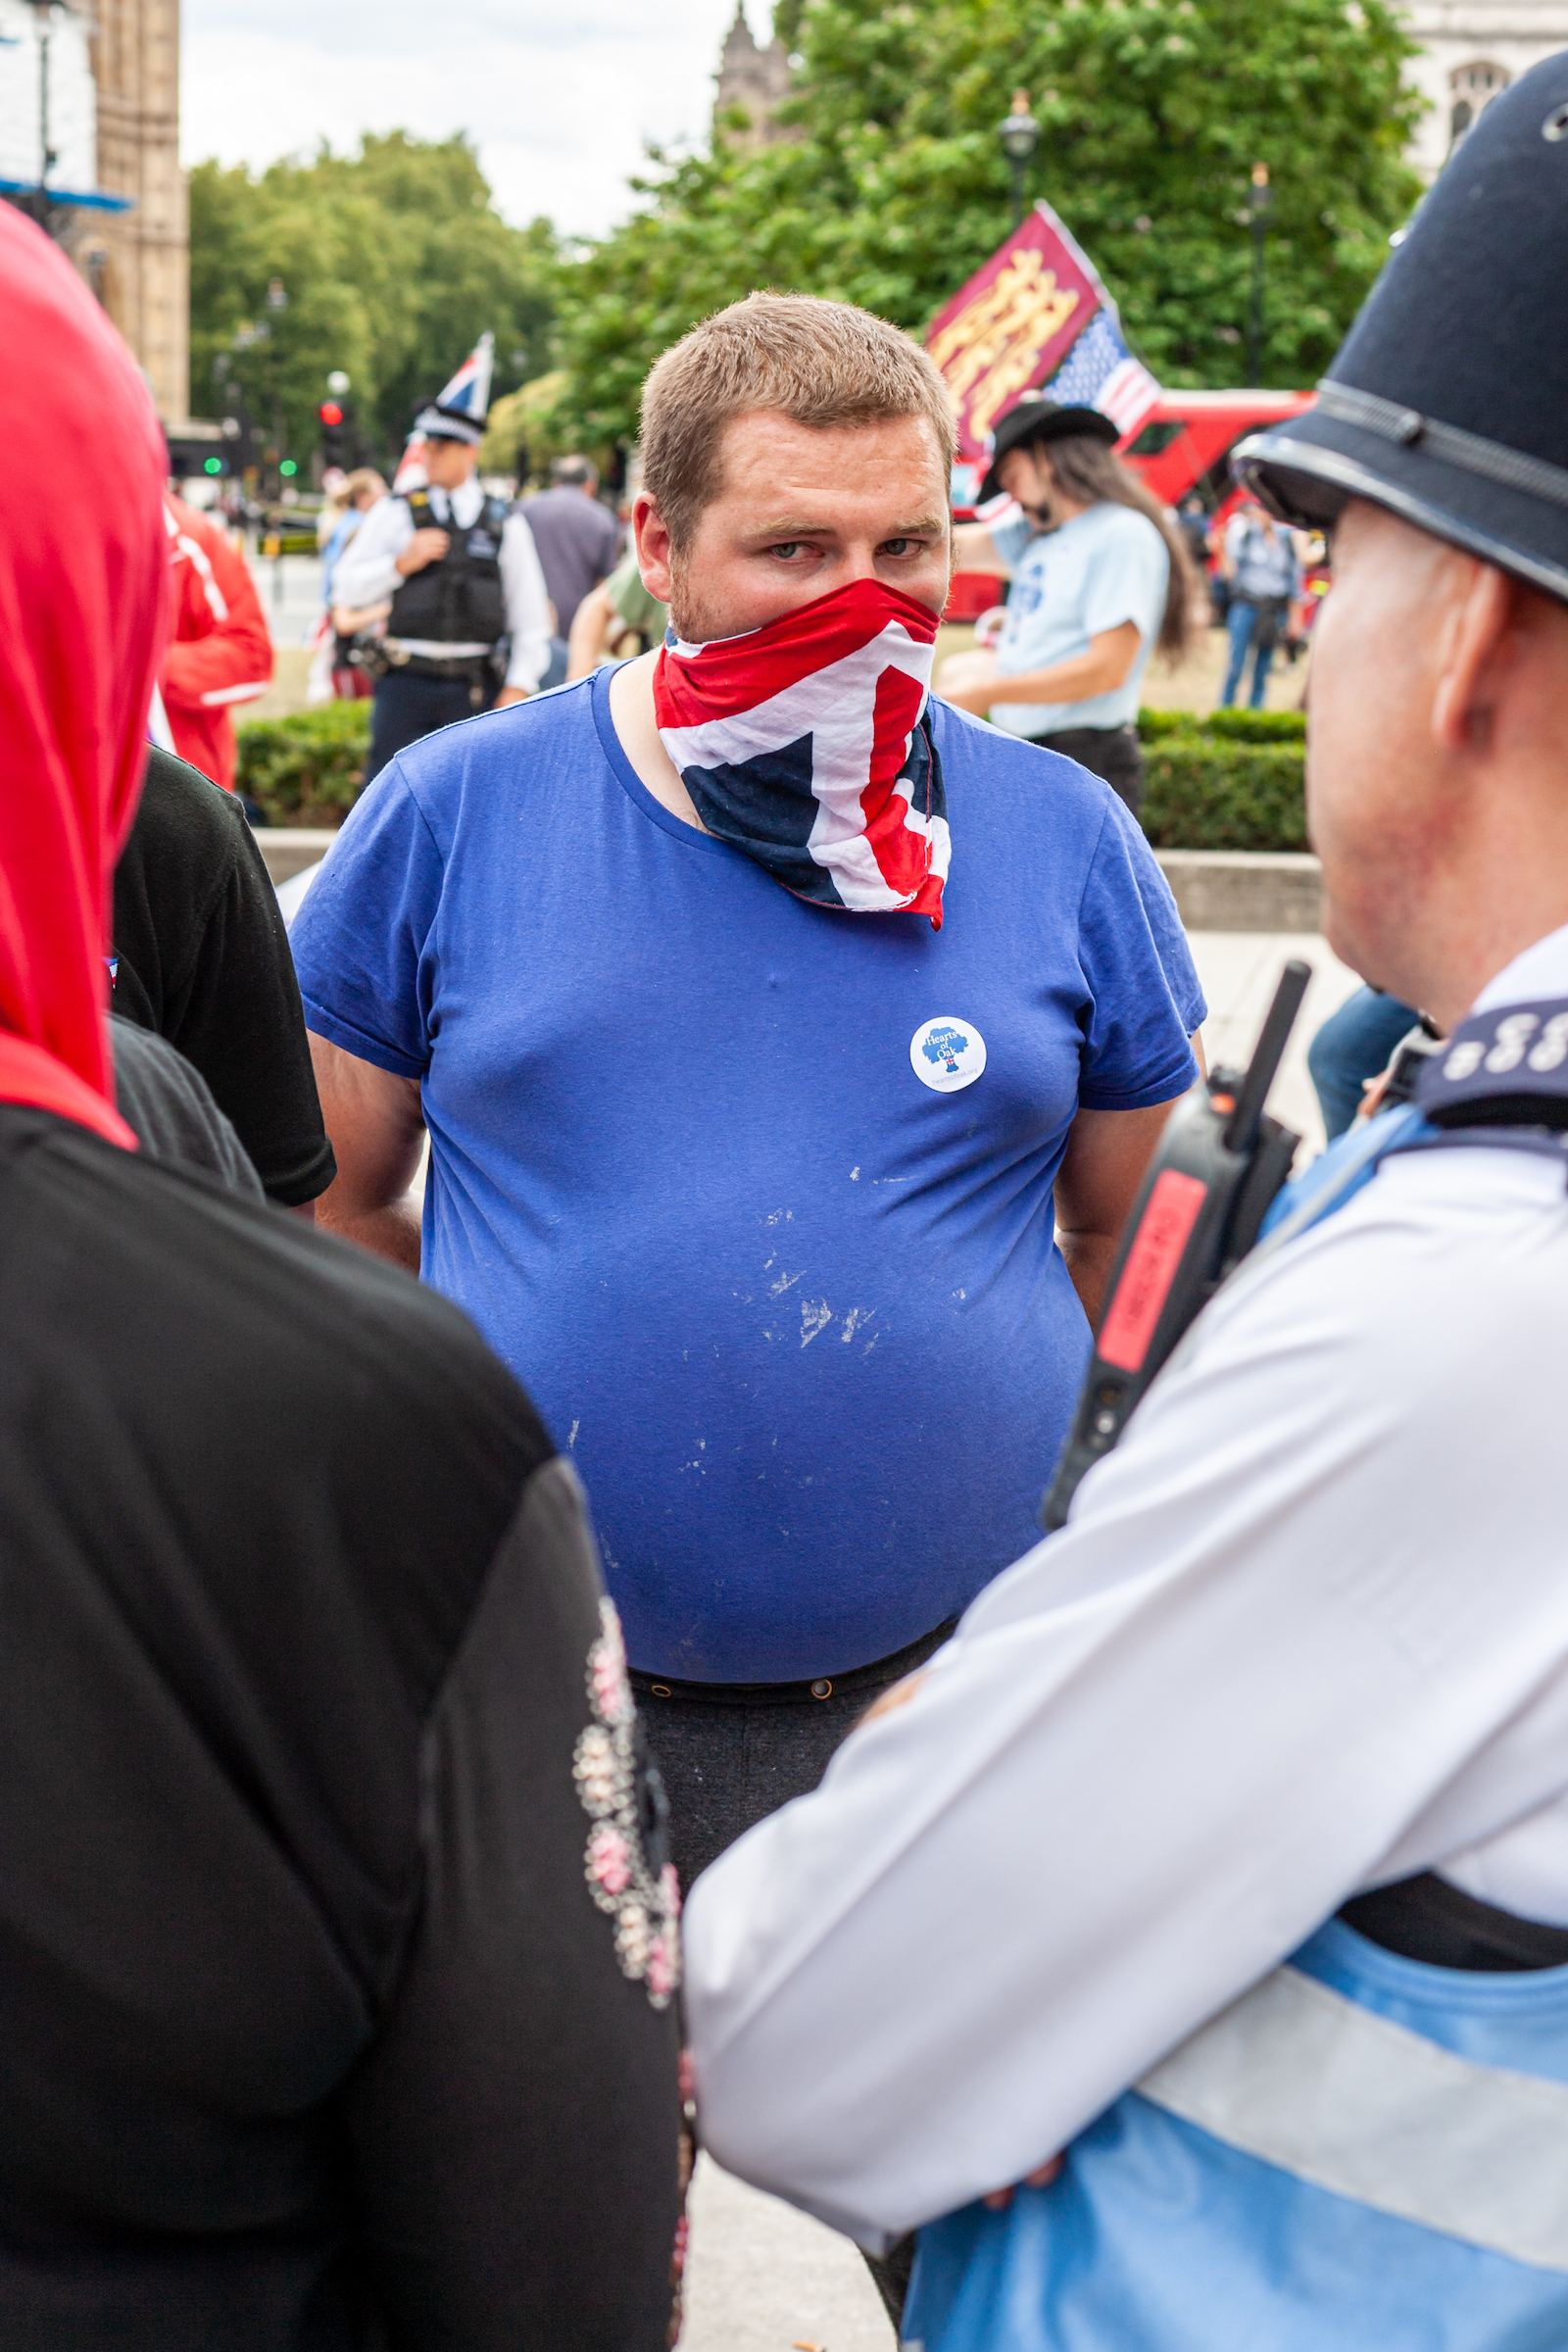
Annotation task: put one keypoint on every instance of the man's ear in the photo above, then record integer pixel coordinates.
(655, 554)
(1477, 649)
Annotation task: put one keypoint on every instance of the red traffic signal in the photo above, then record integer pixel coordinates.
(330, 413)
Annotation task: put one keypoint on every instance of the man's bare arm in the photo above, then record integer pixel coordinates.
(1105, 1160)
(377, 1125)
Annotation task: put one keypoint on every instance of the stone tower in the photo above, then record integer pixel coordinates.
(139, 262)
(754, 78)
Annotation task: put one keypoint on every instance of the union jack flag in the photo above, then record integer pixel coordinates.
(806, 745)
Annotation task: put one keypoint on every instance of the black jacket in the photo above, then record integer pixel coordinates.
(312, 2035)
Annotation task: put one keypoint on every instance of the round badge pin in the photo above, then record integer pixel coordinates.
(946, 1053)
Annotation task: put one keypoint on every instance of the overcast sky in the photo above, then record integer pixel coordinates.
(560, 94)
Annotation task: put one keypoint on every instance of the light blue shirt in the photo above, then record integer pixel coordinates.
(1103, 567)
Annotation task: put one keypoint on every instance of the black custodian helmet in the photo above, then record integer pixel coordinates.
(1447, 403)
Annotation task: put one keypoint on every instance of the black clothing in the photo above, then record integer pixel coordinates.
(730, 1753)
(460, 600)
(202, 956)
(579, 543)
(1427, 1919)
(315, 2040)
(1113, 753)
(166, 1104)
(408, 706)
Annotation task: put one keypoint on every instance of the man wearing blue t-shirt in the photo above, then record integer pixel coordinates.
(757, 1007)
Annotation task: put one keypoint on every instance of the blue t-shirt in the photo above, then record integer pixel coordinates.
(782, 1280)
(1103, 567)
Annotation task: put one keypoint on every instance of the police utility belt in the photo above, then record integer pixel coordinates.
(428, 658)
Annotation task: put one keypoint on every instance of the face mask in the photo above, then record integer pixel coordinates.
(807, 744)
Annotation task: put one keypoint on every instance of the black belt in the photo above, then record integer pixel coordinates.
(460, 668)
(1426, 1919)
(1060, 737)
(859, 1679)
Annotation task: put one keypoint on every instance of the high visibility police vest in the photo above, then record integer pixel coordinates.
(1367, 2152)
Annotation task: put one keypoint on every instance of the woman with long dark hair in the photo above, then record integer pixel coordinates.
(1100, 578)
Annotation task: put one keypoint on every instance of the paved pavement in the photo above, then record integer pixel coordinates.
(762, 2277)
(291, 590)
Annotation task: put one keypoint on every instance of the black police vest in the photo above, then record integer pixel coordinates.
(459, 601)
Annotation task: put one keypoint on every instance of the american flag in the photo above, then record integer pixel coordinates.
(1101, 373)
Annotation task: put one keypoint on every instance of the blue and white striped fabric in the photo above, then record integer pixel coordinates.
(1363, 2154)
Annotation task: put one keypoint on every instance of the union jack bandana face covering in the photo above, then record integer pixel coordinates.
(807, 744)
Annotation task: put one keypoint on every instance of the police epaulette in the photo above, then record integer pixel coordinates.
(1505, 1069)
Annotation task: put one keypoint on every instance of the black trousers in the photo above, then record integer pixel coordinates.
(408, 706)
(730, 1753)
(1113, 753)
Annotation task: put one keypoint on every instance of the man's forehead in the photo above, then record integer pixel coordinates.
(765, 444)
(799, 479)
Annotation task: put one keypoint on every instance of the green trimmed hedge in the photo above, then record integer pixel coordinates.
(1228, 781)
(305, 769)
(1232, 780)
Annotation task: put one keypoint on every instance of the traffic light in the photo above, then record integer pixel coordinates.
(333, 437)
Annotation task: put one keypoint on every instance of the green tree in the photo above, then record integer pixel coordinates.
(892, 187)
(393, 262)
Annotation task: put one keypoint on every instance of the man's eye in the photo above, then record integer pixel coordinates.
(900, 546)
(787, 547)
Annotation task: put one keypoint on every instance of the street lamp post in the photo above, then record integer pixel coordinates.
(1019, 134)
(1260, 204)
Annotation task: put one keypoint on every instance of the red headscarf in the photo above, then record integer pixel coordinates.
(83, 591)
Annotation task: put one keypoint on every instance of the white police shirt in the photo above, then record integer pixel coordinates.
(367, 575)
(1305, 1633)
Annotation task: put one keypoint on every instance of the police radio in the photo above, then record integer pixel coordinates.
(1218, 1166)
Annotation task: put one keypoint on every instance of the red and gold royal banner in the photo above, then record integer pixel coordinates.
(1012, 325)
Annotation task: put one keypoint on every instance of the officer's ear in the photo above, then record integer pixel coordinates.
(1480, 647)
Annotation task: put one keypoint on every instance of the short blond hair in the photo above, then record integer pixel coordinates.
(818, 362)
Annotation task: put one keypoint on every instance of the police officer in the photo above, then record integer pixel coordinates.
(1223, 1853)
(469, 620)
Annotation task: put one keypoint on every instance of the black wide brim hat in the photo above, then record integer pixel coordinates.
(1447, 403)
(1038, 419)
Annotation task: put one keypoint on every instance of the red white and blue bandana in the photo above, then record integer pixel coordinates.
(807, 744)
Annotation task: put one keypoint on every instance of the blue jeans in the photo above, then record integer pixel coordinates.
(1353, 1045)
(1241, 622)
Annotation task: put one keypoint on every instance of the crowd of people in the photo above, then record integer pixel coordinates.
(1157, 1934)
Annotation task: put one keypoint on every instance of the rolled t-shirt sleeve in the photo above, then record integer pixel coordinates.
(361, 940)
(1143, 999)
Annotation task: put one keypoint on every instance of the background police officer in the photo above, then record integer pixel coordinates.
(470, 618)
(1225, 1848)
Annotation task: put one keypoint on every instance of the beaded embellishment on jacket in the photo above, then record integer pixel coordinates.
(626, 1866)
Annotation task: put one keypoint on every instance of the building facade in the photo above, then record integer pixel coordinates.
(754, 79)
(89, 107)
(1470, 50)
(138, 261)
